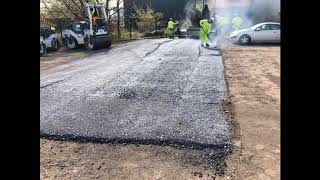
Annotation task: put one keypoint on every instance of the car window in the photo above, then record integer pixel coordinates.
(264, 27)
(274, 26)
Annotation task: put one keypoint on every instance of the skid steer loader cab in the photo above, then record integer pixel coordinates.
(73, 34)
(86, 33)
(43, 47)
(50, 38)
(97, 35)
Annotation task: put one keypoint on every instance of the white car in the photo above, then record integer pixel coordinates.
(262, 32)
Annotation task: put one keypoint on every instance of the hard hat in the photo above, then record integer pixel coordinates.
(211, 20)
(170, 19)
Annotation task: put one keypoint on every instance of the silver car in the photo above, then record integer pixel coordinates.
(262, 32)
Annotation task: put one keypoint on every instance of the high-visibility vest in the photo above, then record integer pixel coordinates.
(170, 25)
(205, 26)
(237, 21)
(92, 10)
(223, 20)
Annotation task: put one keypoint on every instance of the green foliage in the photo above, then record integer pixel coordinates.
(70, 9)
(58, 13)
(125, 35)
(147, 19)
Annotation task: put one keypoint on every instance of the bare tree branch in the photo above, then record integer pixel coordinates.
(80, 8)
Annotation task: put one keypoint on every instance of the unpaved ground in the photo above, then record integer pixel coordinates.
(253, 78)
(65, 55)
(69, 160)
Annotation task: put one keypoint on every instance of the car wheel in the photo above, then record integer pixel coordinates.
(72, 43)
(43, 49)
(244, 40)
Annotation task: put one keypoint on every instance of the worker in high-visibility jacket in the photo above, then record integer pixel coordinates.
(170, 28)
(223, 25)
(236, 22)
(205, 28)
(94, 13)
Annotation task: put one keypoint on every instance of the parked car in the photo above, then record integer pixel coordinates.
(263, 32)
(181, 33)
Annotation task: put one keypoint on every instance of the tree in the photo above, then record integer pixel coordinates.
(107, 8)
(118, 18)
(75, 10)
(70, 9)
(147, 19)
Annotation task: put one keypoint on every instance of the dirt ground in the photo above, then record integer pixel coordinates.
(65, 55)
(70, 160)
(252, 74)
(253, 78)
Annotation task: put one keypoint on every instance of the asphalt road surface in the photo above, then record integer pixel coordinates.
(149, 91)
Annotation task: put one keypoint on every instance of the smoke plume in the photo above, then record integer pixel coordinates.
(251, 12)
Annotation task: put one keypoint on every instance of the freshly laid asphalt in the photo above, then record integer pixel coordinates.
(149, 91)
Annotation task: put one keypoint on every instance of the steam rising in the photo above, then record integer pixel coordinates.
(251, 11)
(189, 13)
